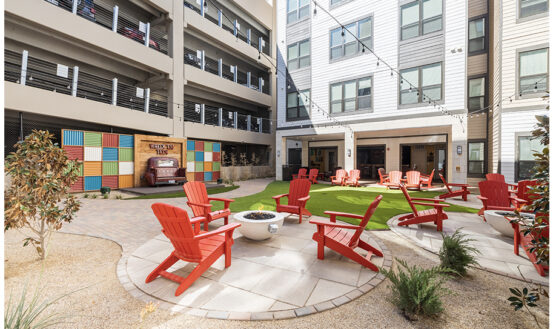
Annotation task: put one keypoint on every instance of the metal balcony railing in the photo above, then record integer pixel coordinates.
(258, 81)
(34, 72)
(218, 14)
(111, 17)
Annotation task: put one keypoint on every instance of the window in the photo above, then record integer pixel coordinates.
(299, 55)
(335, 2)
(343, 44)
(477, 35)
(527, 146)
(476, 158)
(421, 84)
(297, 105)
(420, 17)
(533, 71)
(297, 10)
(352, 95)
(532, 7)
(477, 94)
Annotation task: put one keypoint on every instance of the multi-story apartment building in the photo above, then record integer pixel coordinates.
(520, 48)
(386, 120)
(340, 106)
(193, 69)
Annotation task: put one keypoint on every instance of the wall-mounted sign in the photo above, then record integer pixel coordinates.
(62, 71)
(162, 149)
(197, 108)
(142, 27)
(139, 92)
(459, 149)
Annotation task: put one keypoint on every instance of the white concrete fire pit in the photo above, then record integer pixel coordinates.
(497, 220)
(259, 224)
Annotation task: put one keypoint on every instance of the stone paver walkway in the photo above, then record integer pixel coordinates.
(272, 279)
(496, 250)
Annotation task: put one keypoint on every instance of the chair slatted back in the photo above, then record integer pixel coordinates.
(381, 171)
(299, 188)
(354, 175)
(313, 173)
(368, 214)
(395, 177)
(495, 177)
(497, 193)
(178, 229)
(302, 172)
(445, 183)
(408, 198)
(524, 191)
(413, 177)
(340, 174)
(431, 177)
(196, 192)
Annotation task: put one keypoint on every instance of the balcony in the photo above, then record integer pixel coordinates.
(217, 18)
(26, 70)
(103, 30)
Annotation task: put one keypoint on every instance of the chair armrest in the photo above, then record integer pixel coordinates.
(518, 199)
(515, 186)
(226, 201)
(305, 198)
(332, 177)
(222, 229)
(343, 214)
(483, 198)
(512, 191)
(204, 205)
(431, 204)
(280, 196)
(326, 223)
(458, 185)
(428, 199)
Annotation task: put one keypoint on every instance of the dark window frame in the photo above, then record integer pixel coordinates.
(485, 161)
(486, 35)
(297, 107)
(473, 77)
(518, 136)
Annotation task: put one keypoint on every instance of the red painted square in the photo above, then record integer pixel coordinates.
(74, 152)
(216, 156)
(199, 146)
(199, 176)
(216, 175)
(110, 140)
(78, 186)
(110, 181)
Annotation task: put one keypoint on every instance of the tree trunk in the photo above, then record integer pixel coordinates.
(42, 252)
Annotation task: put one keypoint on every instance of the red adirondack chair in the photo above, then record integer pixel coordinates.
(413, 180)
(499, 178)
(495, 196)
(383, 176)
(313, 173)
(353, 179)
(436, 215)
(339, 178)
(302, 173)
(524, 192)
(463, 192)
(203, 248)
(394, 179)
(525, 240)
(199, 202)
(344, 238)
(427, 179)
(297, 198)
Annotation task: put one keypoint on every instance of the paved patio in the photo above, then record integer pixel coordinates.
(496, 250)
(273, 279)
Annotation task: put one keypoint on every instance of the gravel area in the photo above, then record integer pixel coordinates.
(75, 262)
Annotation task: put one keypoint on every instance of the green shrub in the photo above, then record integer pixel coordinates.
(94, 196)
(119, 197)
(415, 290)
(86, 196)
(105, 196)
(30, 314)
(456, 253)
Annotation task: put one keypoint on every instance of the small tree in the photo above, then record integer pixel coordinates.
(37, 199)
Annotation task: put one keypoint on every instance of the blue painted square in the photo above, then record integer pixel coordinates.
(110, 154)
(216, 147)
(73, 137)
(126, 141)
(92, 183)
(199, 156)
(208, 176)
(190, 145)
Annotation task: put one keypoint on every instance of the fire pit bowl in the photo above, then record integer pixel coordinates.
(259, 224)
(498, 221)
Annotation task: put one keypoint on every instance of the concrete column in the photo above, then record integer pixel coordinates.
(115, 18)
(280, 151)
(147, 36)
(457, 163)
(305, 154)
(349, 150)
(114, 91)
(24, 61)
(147, 100)
(220, 18)
(176, 79)
(75, 81)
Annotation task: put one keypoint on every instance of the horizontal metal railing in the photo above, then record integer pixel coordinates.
(34, 72)
(218, 14)
(197, 58)
(105, 14)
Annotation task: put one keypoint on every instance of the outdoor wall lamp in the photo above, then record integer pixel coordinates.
(349, 152)
(459, 149)
(278, 154)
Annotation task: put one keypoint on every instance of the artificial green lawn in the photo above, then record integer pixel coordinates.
(180, 194)
(344, 199)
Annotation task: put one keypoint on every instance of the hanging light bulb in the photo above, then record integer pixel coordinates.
(363, 49)
(315, 10)
(288, 86)
(536, 87)
(401, 82)
(378, 62)
(343, 33)
(510, 99)
(31, 78)
(391, 73)
(259, 56)
(520, 94)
